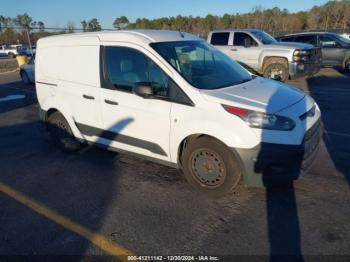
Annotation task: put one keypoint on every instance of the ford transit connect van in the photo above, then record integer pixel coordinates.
(172, 98)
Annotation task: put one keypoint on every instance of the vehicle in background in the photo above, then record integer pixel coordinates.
(172, 98)
(261, 52)
(335, 48)
(345, 35)
(9, 50)
(26, 50)
(27, 71)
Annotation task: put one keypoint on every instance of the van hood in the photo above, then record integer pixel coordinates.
(290, 45)
(259, 94)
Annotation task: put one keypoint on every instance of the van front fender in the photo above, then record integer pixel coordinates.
(231, 137)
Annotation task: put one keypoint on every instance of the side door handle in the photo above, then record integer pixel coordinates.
(88, 97)
(233, 49)
(110, 102)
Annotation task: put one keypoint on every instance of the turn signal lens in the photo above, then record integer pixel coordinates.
(262, 120)
(235, 110)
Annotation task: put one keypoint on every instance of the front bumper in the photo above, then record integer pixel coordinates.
(270, 163)
(299, 69)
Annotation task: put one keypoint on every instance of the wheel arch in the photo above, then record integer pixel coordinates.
(50, 112)
(347, 58)
(69, 118)
(273, 59)
(185, 142)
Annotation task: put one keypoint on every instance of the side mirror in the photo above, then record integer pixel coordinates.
(143, 89)
(247, 42)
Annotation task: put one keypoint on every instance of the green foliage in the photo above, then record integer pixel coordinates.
(121, 22)
(25, 22)
(332, 15)
(91, 25)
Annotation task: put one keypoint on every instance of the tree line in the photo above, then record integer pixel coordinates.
(330, 16)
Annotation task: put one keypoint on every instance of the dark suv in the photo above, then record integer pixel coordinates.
(335, 48)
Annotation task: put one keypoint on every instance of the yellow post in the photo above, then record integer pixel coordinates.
(21, 59)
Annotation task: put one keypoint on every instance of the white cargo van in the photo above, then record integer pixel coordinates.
(172, 98)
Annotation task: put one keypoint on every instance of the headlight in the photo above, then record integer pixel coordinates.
(262, 120)
(301, 55)
(301, 52)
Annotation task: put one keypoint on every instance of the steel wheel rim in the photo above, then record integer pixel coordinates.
(208, 168)
(275, 71)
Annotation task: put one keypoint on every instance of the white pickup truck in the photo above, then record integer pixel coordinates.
(261, 52)
(9, 50)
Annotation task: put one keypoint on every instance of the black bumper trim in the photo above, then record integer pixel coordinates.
(269, 163)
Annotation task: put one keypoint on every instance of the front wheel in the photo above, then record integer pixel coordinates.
(11, 55)
(276, 71)
(210, 166)
(347, 66)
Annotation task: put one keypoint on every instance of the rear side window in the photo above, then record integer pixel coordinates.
(288, 39)
(307, 39)
(125, 67)
(220, 38)
(239, 39)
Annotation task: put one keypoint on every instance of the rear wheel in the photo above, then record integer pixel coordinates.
(61, 133)
(276, 71)
(210, 166)
(11, 55)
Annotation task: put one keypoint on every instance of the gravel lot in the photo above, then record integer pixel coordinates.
(150, 209)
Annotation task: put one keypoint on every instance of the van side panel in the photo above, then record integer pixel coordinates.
(67, 72)
(47, 65)
(80, 64)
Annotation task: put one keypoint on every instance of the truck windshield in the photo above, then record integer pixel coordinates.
(264, 38)
(342, 39)
(202, 65)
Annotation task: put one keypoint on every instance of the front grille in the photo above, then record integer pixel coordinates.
(311, 142)
(315, 55)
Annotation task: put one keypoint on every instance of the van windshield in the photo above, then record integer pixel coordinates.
(202, 65)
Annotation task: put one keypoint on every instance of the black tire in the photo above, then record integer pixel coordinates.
(25, 78)
(211, 167)
(61, 133)
(11, 55)
(347, 65)
(276, 71)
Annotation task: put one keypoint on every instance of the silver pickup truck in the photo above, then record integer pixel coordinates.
(259, 51)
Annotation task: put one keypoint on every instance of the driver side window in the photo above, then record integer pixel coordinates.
(239, 39)
(326, 41)
(125, 67)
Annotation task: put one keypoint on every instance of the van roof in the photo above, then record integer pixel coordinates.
(133, 36)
